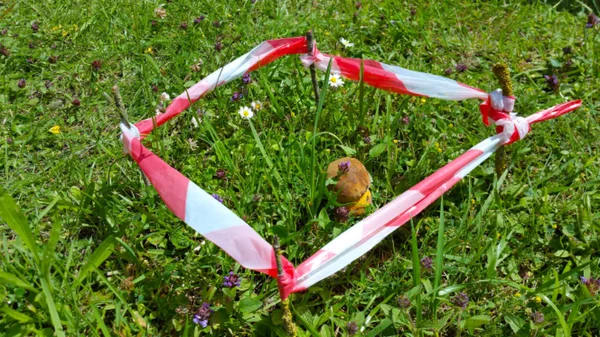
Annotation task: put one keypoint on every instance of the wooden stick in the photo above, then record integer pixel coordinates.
(118, 102)
(502, 73)
(288, 320)
(310, 42)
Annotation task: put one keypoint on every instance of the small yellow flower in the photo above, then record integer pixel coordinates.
(554, 226)
(451, 125)
(55, 130)
(439, 150)
(149, 50)
(75, 27)
(517, 295)
(395, 141)
(498, 235)
(538, 299)
(293, 115)
(64, 33)
(423, 100)
(326, 33)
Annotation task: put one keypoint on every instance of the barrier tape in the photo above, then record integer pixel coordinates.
(224, 228)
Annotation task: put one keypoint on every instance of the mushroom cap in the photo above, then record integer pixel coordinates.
(351, 185)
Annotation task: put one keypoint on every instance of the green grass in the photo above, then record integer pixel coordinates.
(91, 251)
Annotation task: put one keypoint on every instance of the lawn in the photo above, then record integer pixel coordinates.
(88, 249)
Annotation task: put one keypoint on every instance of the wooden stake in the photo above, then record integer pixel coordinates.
(118, 102)
(502, 73)
(310, 42)
(288, 320)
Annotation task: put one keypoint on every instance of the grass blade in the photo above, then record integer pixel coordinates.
(8, 278)
(314, 135)
(16, 220)
(416, 269)
(58, 330)
(439, 258)
(101, 253)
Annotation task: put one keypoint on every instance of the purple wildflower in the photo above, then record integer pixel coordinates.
(448, 71)
(367, 140)
(96, 65)
(217, 197)
(183, 25)
(461, 67)
(153, 23)
(567, 50)
(232, 280)
(427, 263)
(552, 82)
(246, 78)
(4, 31)
(413, 12)
(218, 46)
(461, 300)
(53, 59)
(568, 63)
(341, 214)
(4, 51)
(22, 83)
(343, 167)
(217, 23)
(48, 84)
(76, 102)
(406, 120)
(592, 284)
(403, 302)
(31, 45)
(202, 315)
(236, 96)
(220, 174)
(35, 26)
(199, 19)
(358, 5)
(592, 21)
(537, 317)
(154, 87)
(352, 328)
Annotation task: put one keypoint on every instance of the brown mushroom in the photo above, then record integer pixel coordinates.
(352, 186)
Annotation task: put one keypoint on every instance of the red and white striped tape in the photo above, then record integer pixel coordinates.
(221, 226)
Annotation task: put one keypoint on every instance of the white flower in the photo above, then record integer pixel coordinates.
(346, 43)
(335, 80)
(160, 12)
(164, 97)
(246, 112)
(256, 105)
(195, 121)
